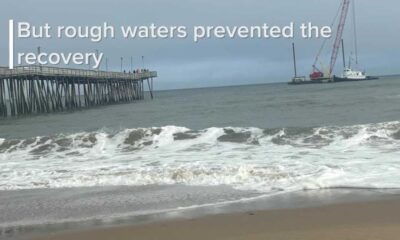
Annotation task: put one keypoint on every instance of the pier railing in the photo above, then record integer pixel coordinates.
(69, 72)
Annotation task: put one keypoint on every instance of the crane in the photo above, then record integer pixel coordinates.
(339, 34)
(317, 74)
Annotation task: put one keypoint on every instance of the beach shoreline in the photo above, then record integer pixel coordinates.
(372, 219)
(287, 203)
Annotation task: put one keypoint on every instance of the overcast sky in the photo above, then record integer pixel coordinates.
(185, 64)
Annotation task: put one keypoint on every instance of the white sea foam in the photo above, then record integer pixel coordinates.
(364, 156)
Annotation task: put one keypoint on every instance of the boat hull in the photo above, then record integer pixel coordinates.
(314, 81)
(333, 80)
(342, 79)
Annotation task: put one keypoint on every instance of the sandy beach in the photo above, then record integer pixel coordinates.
(366, 220)
(199, 120)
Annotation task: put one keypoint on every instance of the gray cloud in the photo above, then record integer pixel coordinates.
(182, 63)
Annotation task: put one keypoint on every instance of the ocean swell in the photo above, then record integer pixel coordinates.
(264, 160)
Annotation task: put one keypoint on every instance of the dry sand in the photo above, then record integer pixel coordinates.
(352, 221)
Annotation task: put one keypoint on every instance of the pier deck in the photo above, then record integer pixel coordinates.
(40, 89)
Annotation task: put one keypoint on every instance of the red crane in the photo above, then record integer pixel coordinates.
(317, 74)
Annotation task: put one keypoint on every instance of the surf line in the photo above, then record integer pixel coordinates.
(44, 58)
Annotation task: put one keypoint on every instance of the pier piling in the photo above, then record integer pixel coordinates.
(39, 89)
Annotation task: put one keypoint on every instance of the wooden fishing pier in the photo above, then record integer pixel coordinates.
(27, 90)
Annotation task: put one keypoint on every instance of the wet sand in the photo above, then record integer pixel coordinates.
(379, 219)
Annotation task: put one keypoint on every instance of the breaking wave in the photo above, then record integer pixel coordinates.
(263, 160)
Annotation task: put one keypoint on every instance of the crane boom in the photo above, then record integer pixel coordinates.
(339, 34)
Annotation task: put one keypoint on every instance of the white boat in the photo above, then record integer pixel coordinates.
(353, 74)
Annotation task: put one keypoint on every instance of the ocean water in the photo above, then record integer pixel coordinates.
(207, 146)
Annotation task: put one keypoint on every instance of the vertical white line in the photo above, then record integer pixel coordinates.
(11, 44)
